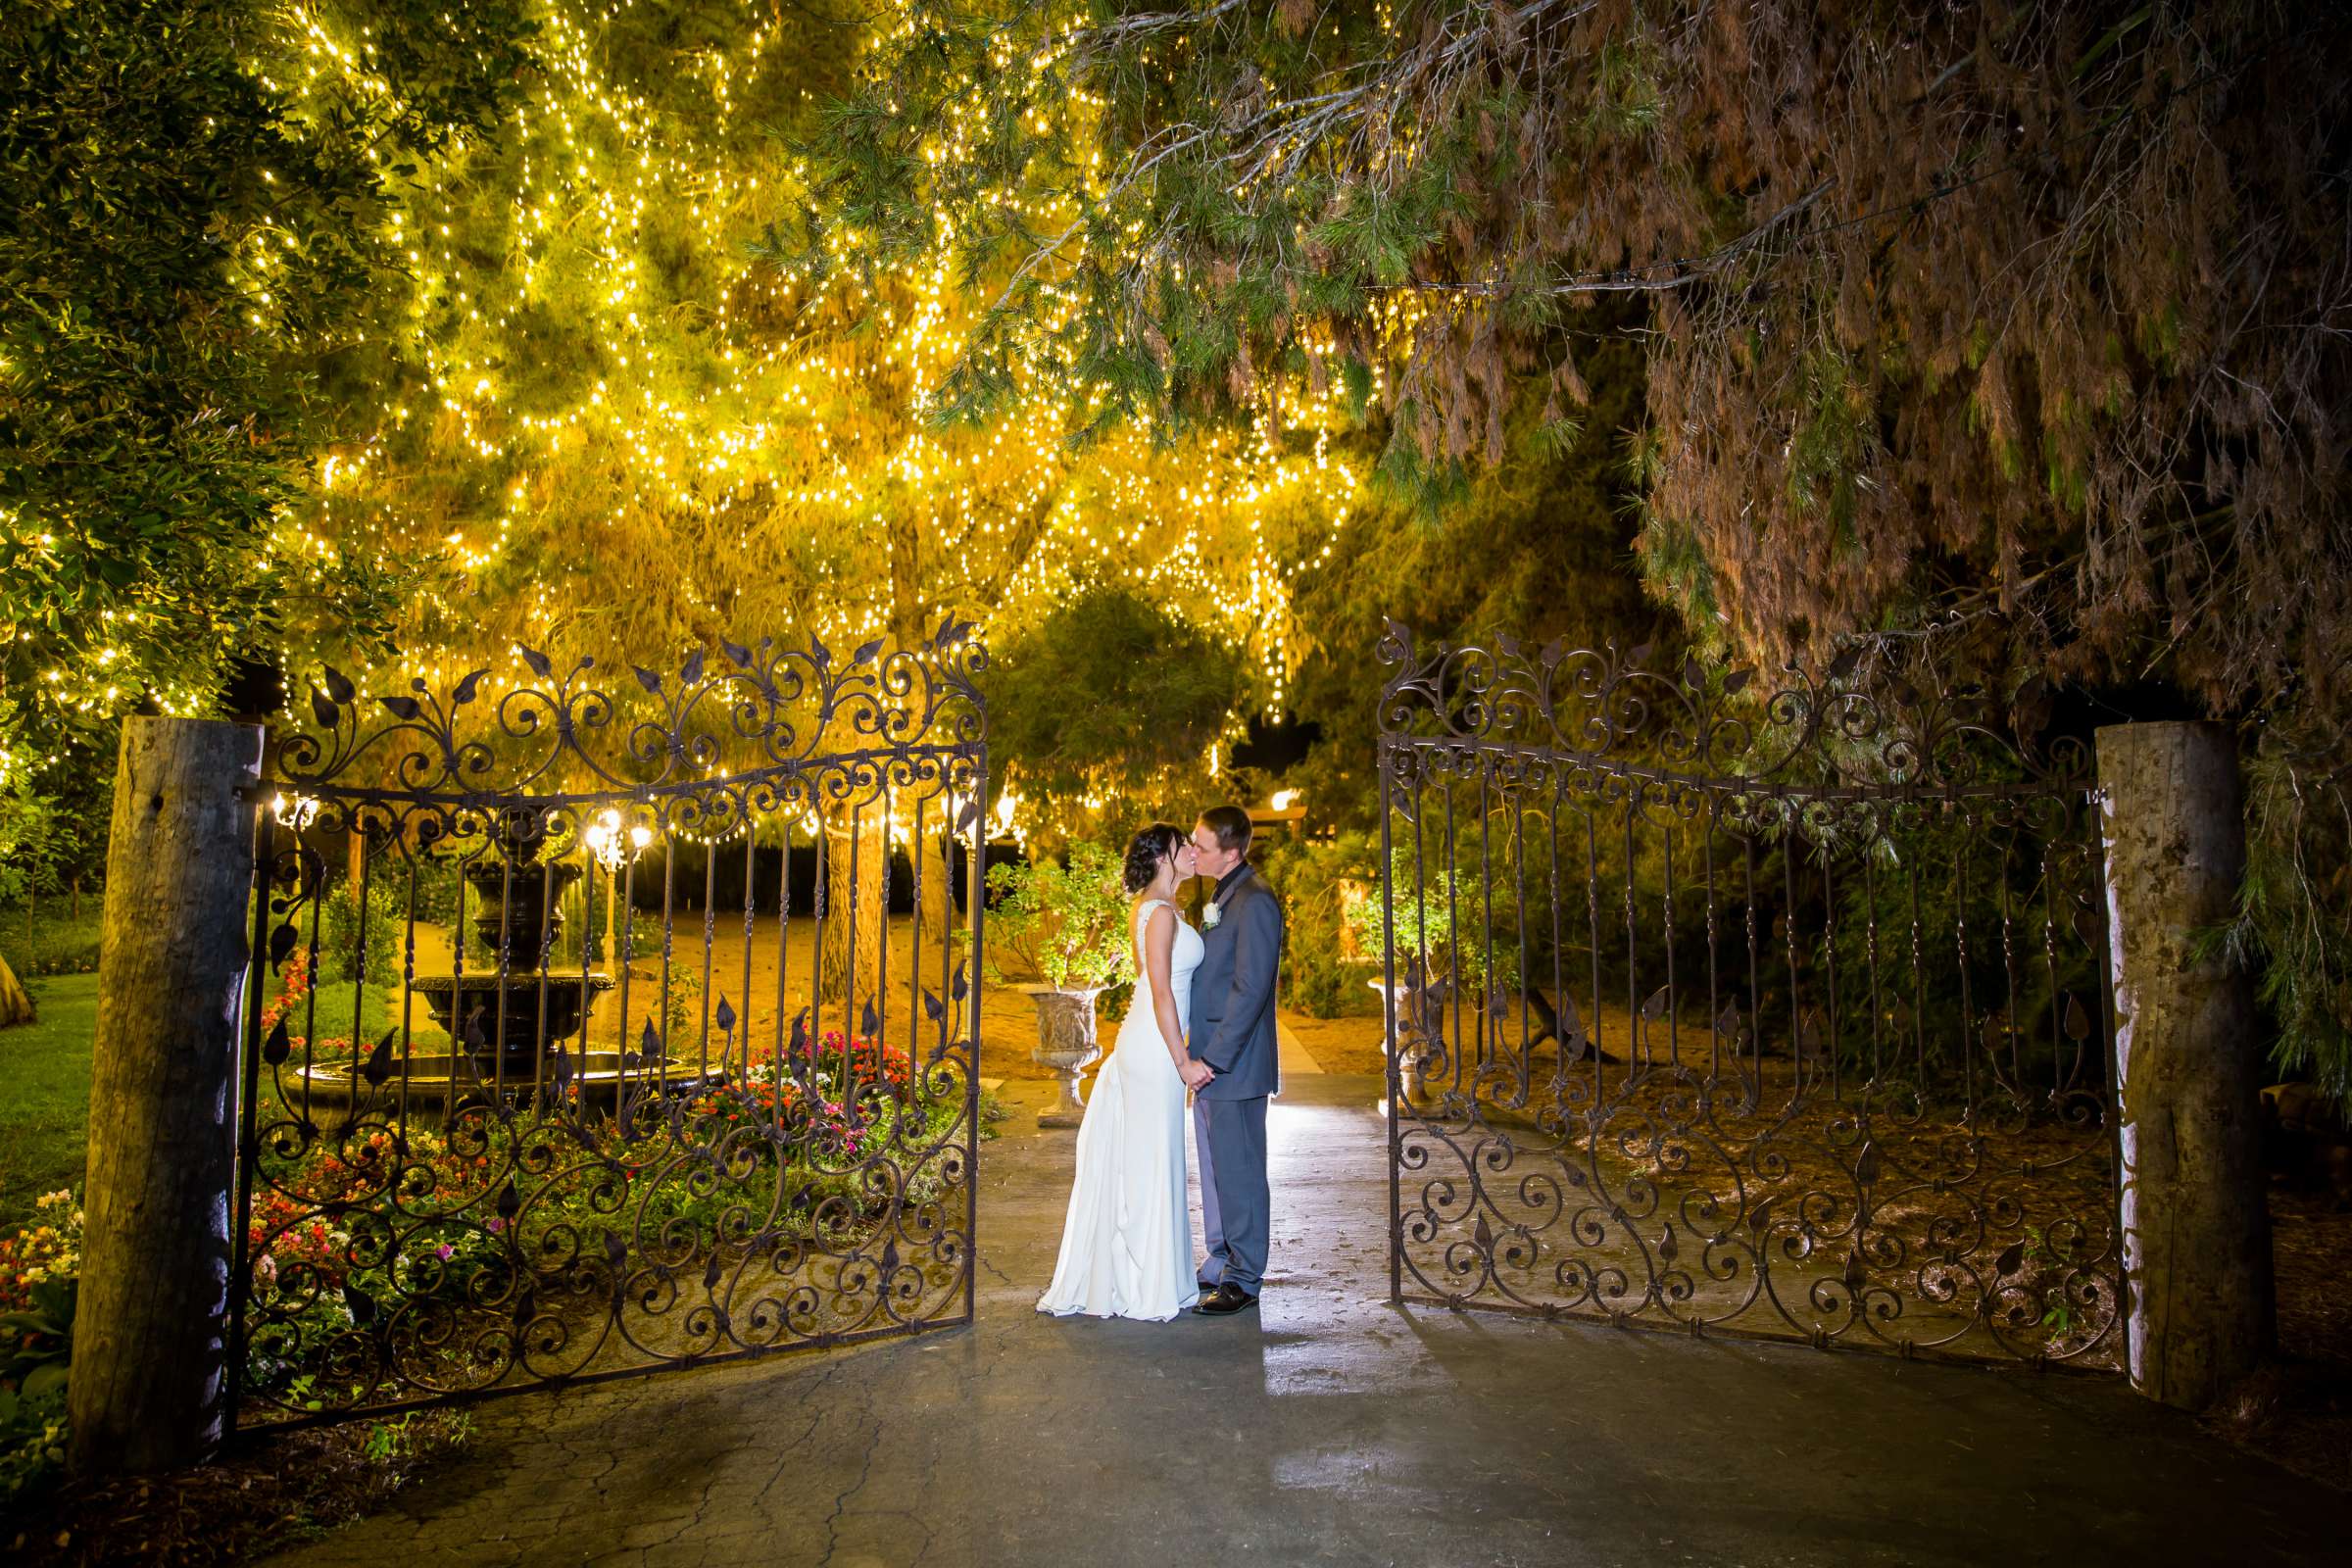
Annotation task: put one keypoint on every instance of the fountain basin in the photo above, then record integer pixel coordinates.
(466, 1006)
(430, 1085)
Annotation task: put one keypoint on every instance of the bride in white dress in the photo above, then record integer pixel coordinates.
(1127, 1245)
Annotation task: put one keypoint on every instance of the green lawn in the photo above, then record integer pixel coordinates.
(45, 1081)
(45, 1095)
(54, 941)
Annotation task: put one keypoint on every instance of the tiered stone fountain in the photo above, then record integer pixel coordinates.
(493, 1053)
(519, 906)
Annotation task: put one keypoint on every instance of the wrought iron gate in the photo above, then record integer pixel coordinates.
(588, 1041)
(1771, 1012)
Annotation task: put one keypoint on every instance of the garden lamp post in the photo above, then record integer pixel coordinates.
(604, 842)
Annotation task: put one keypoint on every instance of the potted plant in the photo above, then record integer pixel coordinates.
(1066, 925)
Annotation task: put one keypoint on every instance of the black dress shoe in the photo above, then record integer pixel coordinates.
(1228, 1299)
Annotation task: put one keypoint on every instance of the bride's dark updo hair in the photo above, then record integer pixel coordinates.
(1145, 851)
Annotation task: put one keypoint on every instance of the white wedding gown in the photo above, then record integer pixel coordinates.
(1127, 1245)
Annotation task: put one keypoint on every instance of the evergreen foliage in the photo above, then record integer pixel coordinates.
(2017, 316)
(1063, 922)
(612, 421)
(192, 238)
(1539, 547)
(2011, 330)
(1111, 694)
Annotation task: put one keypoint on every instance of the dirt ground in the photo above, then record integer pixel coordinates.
(1008, 1019)
(2298, 1410)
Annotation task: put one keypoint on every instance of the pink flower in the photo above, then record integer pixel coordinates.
(445, 1251)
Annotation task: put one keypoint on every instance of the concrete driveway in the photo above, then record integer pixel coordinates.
(1329, 1427)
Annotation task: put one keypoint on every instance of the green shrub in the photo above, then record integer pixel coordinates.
(341, 933)
(1066, 924)
(1321, 886)
(1113, 695)
(1422, 907)
(53, 941)
(32, 1441)
(437, 883)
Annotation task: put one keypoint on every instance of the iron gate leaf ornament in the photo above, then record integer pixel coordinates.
(528, 1180)
(378, 1065)
(1880, 882)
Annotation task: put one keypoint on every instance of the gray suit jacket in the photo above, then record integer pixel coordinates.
(1233, 993)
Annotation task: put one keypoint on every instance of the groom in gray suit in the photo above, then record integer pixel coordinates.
(1233, 1062)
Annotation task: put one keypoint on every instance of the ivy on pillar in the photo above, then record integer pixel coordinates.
(2196, 1215)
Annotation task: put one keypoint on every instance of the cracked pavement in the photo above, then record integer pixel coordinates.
(1326, 1427)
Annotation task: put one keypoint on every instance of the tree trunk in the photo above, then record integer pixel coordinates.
(16, 1006)
(936, 913)
(939, 909)
(150, 1370)
(857, 913)
(2196, 1223)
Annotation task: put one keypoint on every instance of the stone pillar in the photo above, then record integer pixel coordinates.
(2195, 1217)
(151, 1327)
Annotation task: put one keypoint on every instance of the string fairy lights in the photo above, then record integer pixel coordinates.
(612, 426)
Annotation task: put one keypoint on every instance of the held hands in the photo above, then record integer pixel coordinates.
(1195, 1073)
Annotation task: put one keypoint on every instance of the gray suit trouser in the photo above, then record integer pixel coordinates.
(1236, 1208)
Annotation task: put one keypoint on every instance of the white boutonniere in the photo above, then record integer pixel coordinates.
(1211, 915)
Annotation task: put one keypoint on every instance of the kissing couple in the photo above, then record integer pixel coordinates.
(1127, 1244)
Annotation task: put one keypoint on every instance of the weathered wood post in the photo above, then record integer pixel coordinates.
(151, 1327)
(2196, 1222)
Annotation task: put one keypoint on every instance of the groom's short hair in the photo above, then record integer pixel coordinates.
(1231, 825)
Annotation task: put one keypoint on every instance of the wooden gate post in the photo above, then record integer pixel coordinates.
(150, 1335)
(2195, 1217)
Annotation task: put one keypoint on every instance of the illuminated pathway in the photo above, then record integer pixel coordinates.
(1330, 1428)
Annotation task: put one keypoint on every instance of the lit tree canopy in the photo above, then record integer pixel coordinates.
(192, 235)
(2023, 316)
(619, 426)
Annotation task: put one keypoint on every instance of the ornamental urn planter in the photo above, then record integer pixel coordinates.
(1065, 1043)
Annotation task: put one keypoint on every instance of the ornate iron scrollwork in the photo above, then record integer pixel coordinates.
(1748, 1007)
(458, 1177)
